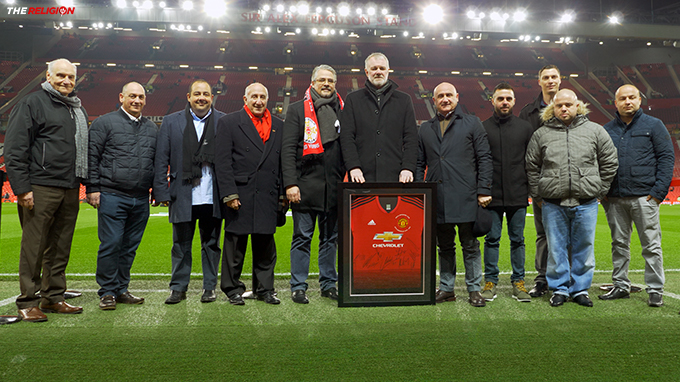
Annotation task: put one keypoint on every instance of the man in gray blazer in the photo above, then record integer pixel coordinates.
(184, 180)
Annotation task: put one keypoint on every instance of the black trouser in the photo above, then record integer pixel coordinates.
(264, 261)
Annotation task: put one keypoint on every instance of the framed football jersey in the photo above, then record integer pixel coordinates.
(386, 244)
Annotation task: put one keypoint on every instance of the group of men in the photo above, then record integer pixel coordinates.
(245, 167)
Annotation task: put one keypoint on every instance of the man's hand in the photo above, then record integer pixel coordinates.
(655, 199)
(293, 194)
(406, 176)
(26, 200)
(483, 200)
(234, 204)
(93, 199)
(356, 175)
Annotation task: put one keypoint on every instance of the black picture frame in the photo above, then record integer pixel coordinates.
(393, 266)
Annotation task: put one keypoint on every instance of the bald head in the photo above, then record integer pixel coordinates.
(445, 98)
(565, 106)
(133, 98)
(627, 101)
(255, 98)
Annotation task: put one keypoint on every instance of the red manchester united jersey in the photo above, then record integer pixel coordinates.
(387, 245)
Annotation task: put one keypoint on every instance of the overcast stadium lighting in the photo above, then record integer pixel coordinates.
(519, 16)
(188, 5)
(147, 4)
(567, 17)
(433, 14)
(280, 8)
(121, 4)
(161, 5)
(343, 10)
(303, 8)
(614, 20)
(135, 4)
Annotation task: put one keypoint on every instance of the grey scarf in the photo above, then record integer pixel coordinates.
(326, 114)
(73, 103)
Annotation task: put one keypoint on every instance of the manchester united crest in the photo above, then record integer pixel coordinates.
(403, 223)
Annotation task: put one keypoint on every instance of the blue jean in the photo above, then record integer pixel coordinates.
(472, 258)
(516, 217)
(303, 230)
(565, 228)
(121, 224)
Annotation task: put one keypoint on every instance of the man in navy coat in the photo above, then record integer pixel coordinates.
(185, 181)
(248, 170)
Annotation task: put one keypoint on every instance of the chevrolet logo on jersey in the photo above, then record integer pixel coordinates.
(387, 237)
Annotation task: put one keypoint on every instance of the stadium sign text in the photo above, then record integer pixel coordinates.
(41, 10)
(287, 18)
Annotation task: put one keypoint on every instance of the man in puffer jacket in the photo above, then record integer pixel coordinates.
(571, 162)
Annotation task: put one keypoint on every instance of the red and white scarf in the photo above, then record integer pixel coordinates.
(312, 138)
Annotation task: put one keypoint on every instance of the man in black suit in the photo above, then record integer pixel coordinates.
(311, 162)
(184, 180)
(248, 172)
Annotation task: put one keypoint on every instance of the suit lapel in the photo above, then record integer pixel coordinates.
(250, 131)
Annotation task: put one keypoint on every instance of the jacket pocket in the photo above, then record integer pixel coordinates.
(549, 183)
(590, 184)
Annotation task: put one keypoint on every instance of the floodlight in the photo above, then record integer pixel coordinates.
(100, 25)
(121, 4)
(215, 8)
(11, 2)
(481, 15)
(180, 27)
(519, 16)
(318, 10)
(280, 8)
(471, 14)
(384, 11)
(297, 30)
(188, 5)
(329, 10)
(200, 27)
(315, 31)
(495, 16)
(267, 29)
(135, 4)
(341, 32)
(69, 24)
(433, 14)
(613, 20)
(332, 31)
(405, 33)
(359, 11)
(343, 10)
(567, 17)
(266, 7)
(161, 5)
(371, 11)
(147, 4)
(293, 9)
(65, 3)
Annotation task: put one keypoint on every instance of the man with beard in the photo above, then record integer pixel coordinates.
(186, 152)
(379, 137)
(508, 139)
(311, 162)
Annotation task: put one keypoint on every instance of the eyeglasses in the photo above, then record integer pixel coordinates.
(325, 80)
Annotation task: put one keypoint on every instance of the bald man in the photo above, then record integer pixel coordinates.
(455, 151)
(570, 163)
(646, 159)
(248, 173)
(121, 155)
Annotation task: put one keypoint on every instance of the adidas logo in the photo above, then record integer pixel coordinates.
(371, 222)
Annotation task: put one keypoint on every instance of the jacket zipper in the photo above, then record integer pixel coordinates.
(43, 158)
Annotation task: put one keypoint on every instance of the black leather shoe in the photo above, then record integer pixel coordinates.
(236, 300)
(477, 300)
(540, 289)
(614, 294)
(557, 299)
(129, 298)
(176, 297)
(655, 300)
(331, 293)
(442, 296)
(107, 302)
(269, 298)
(583, 300)
(4, 320)
(300, 297)
(209, 296)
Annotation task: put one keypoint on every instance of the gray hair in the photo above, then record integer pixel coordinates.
(266, 91)
(324, 67)
(376, 54)
(50, 65)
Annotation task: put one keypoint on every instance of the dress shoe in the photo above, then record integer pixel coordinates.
(331, 293)
(614, 294)
(4, 320)
(32, 314)
(655, 300)
(442, 296)
(129, 298)
(477, 300)
(583, 300)
(269, 298)
(107, 302)
(62, 307)
(71, 294)
(208, 295)
(175, 297)
(236, 300)
(557, 299)
(540, 289)
(300, 297)
(249, 295)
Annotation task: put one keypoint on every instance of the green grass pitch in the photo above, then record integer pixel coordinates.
(507, 340)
